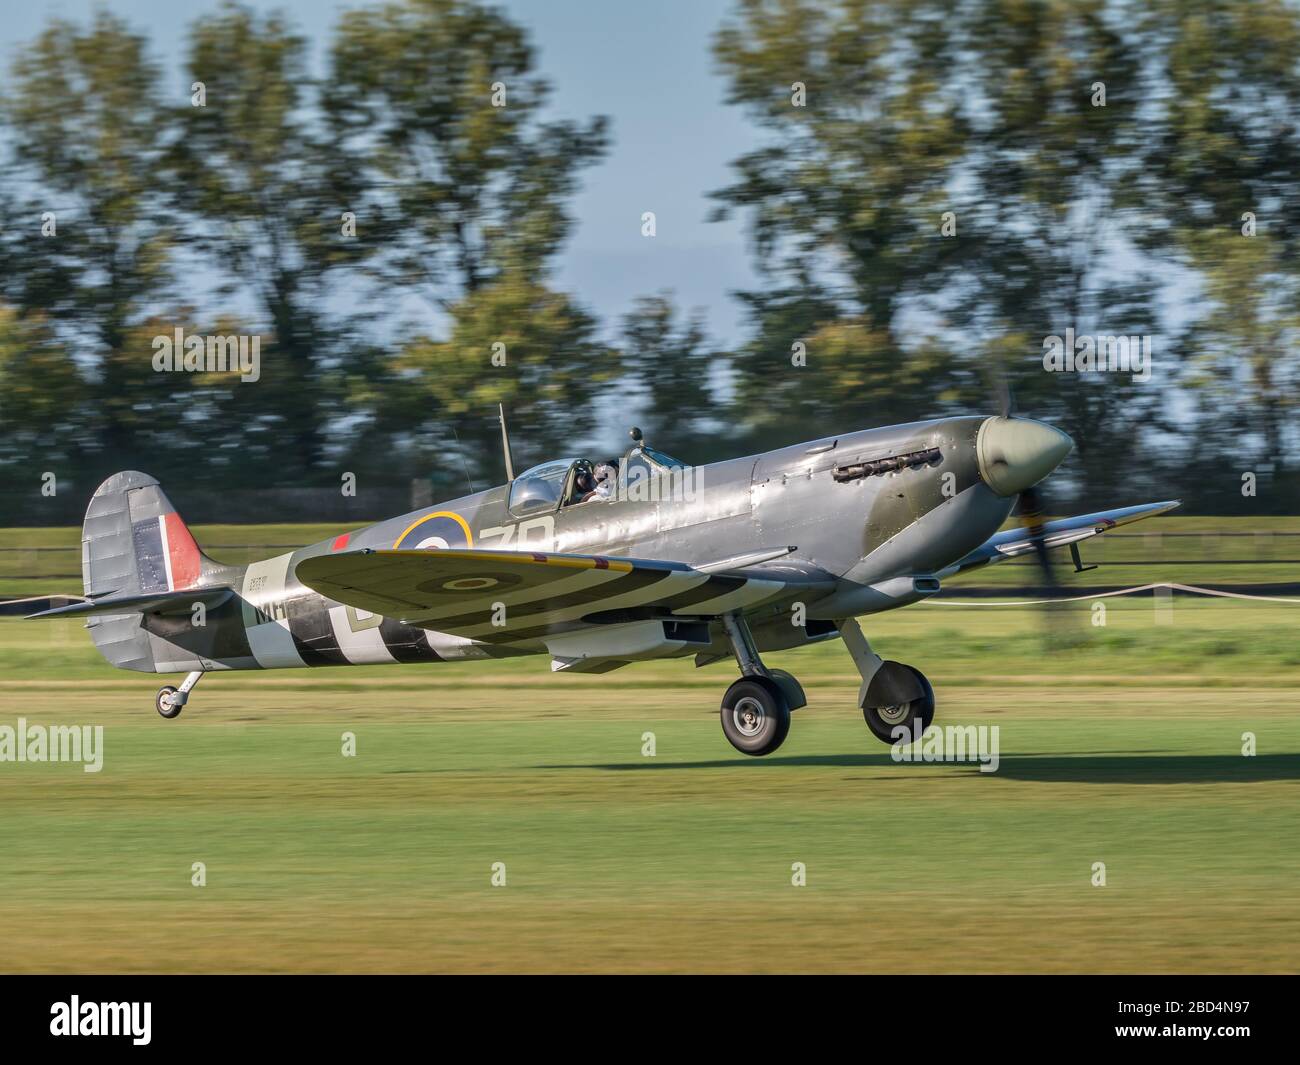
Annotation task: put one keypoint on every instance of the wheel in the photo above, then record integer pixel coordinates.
(163, 702)
(913, 714)
(755, 716)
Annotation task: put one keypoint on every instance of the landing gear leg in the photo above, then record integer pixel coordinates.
(897, 700)
(756, 709)
(171, 700)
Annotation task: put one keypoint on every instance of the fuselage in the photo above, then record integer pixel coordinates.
(872, 510)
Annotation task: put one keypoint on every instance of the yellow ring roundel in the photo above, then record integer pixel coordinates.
(444, 514)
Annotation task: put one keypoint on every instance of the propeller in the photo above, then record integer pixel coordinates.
(1006, 399)
(1030, 509)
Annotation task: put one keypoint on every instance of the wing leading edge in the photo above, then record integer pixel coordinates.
(1014, 542)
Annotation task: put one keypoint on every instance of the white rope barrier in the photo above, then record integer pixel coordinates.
(1122, 591)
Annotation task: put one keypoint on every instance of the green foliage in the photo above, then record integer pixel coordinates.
(550, 369)
(935, 188)
(85, 118)
(438, 103)
(676, 368)
(1227, 147)
(324, 207)
(254, 181)
(1068, 213)
(41, 394)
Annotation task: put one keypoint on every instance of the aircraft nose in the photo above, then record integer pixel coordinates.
(1017, 453)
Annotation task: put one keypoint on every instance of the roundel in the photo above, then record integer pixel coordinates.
(434, 531)
(478, 582)
(470, 584)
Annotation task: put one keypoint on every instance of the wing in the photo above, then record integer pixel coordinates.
(457, 590)
(1061, 533)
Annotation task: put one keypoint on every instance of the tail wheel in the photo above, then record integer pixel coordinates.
(914, 715)
(164, 702)
(755, 716)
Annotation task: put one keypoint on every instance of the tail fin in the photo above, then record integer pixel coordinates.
(133, 542)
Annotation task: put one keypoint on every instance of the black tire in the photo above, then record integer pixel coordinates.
(755, 716)
(166, 709)
(883, 720)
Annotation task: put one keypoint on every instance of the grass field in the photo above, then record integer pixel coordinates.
(1121, 744)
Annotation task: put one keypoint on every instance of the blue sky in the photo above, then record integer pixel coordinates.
(647, 66)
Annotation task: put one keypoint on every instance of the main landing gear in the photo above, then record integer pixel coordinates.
(896, 699)
(756, 709)
(171, 701)
(893, 696)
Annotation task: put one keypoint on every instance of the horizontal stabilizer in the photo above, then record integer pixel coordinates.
(158, 603)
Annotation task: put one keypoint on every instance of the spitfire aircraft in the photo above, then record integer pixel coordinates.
(598, 566)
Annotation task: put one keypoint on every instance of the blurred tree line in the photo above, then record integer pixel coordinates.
(936, 186)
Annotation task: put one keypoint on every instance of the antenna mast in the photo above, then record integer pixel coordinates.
(505, 443)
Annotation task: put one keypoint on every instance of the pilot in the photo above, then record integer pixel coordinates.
(604, 477)
(584, 485)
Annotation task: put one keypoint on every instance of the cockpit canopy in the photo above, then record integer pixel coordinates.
(540, 487)
(553, 484)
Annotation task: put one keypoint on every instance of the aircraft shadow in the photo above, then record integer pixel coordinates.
(1153, 769)
(1107, 768)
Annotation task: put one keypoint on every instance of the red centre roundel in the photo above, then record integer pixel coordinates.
(433, 533)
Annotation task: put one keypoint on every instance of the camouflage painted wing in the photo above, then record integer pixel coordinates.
(457, 590)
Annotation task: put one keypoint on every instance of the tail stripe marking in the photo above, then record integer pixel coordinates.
(166, 552)
(181, 553)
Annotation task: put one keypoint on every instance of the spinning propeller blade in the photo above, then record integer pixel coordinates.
(1031, 511)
